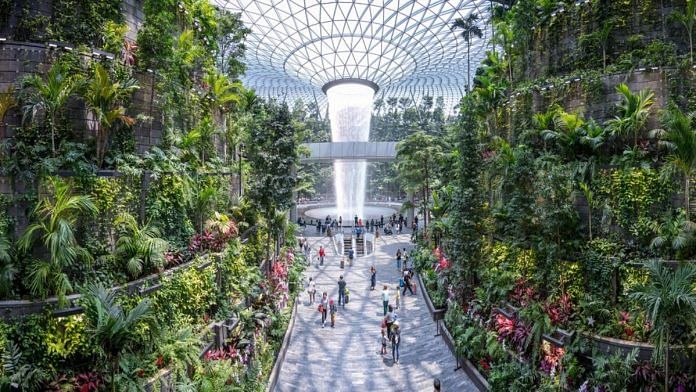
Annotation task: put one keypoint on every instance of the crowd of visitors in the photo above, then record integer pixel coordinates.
(390, 328)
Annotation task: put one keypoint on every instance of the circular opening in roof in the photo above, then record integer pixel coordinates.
(363, 82)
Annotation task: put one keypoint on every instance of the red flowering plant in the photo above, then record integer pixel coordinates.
(504, 327)
(87, 382)
(522, 294)
(217, 234)
(173, 258)
(551, 357)
(628, 325)
(560, 310)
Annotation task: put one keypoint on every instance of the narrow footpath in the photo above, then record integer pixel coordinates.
(347, 358)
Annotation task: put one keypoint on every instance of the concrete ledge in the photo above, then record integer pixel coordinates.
(273, 377)
(469, 368)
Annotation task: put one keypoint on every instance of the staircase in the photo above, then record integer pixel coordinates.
(360, 246)
(347, 244)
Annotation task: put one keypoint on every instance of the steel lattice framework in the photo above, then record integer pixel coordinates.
(406, 47)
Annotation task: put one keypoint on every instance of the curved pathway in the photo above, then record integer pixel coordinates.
(346, 358)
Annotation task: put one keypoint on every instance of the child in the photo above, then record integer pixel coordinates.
(347, 295)
(398, 297)
(384, 343)
(333, 309)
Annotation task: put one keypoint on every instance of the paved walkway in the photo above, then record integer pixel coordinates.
(346, 358)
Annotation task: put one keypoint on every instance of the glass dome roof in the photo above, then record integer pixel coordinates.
(406, 47)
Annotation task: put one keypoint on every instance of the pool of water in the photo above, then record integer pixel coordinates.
(370, 212)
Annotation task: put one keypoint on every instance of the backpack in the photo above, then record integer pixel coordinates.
(401, 282)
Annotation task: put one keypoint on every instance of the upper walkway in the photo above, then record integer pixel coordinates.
(346, 358)
(370, 151)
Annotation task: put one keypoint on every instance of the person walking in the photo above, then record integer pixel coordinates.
(436, 385)
(383, 340)
(333, 310)
(373, 277)
(381, 220)
(340, 221)
(407, 284)
(398, 259)
(385, 298)
(395, 341)
(398, 297)
(389, 319)
(322, 253)
(323, 308)
(350, 256)
(341, 292)
(311, 290)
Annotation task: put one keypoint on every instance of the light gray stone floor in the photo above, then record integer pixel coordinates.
(346, 358)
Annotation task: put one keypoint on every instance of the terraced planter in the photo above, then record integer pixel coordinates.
(428, 302)
(465, 364)
(21, 308)
(622, 347)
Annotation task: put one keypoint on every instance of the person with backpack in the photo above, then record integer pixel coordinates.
(341, 292)
(407, 284)
(395, 341)
(385, 298)
(322, 253)
(373, 277)
(323, 308)
(333, 310)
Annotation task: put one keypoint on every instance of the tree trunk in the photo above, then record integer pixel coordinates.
(687, 196)
(691, 46)
(604, 57)
(53, 134)
(269, 241)
(468, 67)
(667, 362)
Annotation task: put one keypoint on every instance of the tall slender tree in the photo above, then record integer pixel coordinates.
(688, 20)
(272, 151)
(669, 300)
(467, 200)
(417, 159)
(55, 223)
(470, 30)
(44, 98)
(679, 138)
(104, 99)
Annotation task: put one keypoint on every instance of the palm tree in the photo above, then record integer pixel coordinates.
(111, 327)
(104, 99)
(688, 19)
(469, 31)
(603, 36)
(670, 302)
(634, 110)
(46, 97)
(222, 94)
(679, 138)
(139, 245)
(56, 221)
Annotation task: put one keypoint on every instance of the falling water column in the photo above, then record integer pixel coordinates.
(350, 110)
